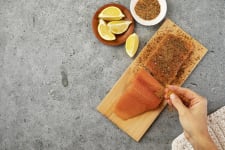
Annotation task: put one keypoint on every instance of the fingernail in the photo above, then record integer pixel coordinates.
(172, 96)
(171, 86)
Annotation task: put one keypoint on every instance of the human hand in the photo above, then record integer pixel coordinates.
(192, 110)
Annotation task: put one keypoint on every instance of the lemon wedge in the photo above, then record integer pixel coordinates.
(131, 45)
(104, 31)
(111, 13)
(119, 27)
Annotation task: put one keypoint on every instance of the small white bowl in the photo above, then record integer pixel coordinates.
(159, 18)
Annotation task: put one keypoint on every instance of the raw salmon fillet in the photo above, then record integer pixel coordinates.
(143, 94)
(166, 60)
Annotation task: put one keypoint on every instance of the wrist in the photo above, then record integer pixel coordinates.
(203, 142)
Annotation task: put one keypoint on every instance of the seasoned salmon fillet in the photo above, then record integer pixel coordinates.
(143, 94)
(166, 60)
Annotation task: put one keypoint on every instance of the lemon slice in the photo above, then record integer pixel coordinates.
(104, 31)
(111, 13)
(132, 43)
(118, 27)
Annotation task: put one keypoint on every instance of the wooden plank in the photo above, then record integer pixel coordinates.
(137, 126)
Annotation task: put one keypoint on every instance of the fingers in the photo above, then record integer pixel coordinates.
(184, 92)
(177, 103)
(169, 102)
(188, 98)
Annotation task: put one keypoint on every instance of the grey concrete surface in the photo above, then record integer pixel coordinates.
(54, 72)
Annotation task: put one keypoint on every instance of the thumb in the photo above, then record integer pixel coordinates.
(177, 103)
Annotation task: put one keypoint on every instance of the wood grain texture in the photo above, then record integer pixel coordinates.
(137, 126)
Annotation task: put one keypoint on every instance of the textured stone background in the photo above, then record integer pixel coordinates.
(43, 42)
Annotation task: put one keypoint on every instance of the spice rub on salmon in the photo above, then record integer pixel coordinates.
(143, 94)
(167, 59)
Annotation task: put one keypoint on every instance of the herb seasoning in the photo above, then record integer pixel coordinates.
(147, 9)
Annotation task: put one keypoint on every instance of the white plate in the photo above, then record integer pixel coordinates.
(159, 18)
